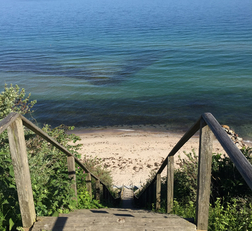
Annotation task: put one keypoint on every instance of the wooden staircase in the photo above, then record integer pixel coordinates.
(125, 218)
(110, 219)
(113, 219)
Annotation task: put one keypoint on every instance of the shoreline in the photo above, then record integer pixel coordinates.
(132, 152)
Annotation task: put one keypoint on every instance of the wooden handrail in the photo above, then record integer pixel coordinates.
(207, 121)
(14, 124)
(240, 161)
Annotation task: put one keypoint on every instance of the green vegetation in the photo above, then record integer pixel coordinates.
(49, 174)
(231, 198)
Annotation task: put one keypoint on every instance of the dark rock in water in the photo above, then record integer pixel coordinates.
(234, 137)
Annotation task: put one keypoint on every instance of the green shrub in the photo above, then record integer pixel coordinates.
(49, 174)
(231, 198)
(231, 216)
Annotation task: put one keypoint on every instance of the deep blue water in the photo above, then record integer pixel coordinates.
(112, 62)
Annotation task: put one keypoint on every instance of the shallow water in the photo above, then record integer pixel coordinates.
(103, 63)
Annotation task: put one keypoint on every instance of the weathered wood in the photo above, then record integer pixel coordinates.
(22, 172)
(49, 139)
(5, 122)
(204, 176)
(89, 184)
(97, 190)
(170, 183)
(240, 161)
(111, 219)
(181, 142)
(72, 174)
(158, 192)
(176, 148)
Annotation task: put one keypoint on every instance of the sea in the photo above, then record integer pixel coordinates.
(98, 63)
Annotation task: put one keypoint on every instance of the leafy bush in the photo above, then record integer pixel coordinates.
(231, 198)
(12, 99)
(232, 216)
(226, 181)
(49, 174)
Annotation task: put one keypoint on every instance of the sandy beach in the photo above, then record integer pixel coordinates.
(132, 153)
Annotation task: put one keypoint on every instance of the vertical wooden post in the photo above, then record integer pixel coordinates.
(89, 184)
(158, 192)
(204, 176)
(97, 190)
(22, 172)
(170, 183)
(72, 173)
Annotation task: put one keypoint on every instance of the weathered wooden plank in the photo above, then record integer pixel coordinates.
(5, 122)
(176, 148)
(158, 192)
(45, 136)
(89, 184)
(204, 176)
(49, 139)
(22, 172)
(97, 190)
(240, 161)
(170, 183)
(181, 142)
(72, 174)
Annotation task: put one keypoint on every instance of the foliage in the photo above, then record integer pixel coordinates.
(49, 174)
(94, 165)
(231, 198)
(226, 182)
(9, 207)
(12, 99)
(232, 216)
(185, 178)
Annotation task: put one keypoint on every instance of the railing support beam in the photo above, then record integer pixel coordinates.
(158, 192)
(170, 183)
(22, 172)
(97, 190)
(204, 176)
(72, 174)
(89, 184)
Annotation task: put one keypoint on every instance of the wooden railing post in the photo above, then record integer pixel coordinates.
(72, 173)
(89, 184)
(204, 176)
(22, 172)
(158, 192)
(170, 183)
(97, 190)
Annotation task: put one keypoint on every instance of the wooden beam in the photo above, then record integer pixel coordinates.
(170, 183)
(97, 190)
(240, 161)
(158, 192)
(204, 176)
(72, 174)
(5, 122)
(45, 136)
(89, 184)
(22, 172)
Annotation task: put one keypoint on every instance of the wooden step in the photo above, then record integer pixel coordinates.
(113, 220)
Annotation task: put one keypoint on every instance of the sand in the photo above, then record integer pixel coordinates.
(132, 153)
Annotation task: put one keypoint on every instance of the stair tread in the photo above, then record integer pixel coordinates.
(113, 219)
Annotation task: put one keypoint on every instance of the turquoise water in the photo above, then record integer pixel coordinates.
(112, 62)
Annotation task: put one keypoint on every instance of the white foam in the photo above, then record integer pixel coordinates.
(126, 130)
